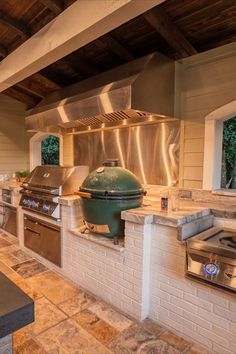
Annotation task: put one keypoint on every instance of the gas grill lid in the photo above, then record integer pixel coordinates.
(56, 179)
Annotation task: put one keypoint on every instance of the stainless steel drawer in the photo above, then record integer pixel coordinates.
(43, 238)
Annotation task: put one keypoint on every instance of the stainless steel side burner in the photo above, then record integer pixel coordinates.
(211, 257)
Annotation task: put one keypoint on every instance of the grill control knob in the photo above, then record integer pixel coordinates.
(211, 269)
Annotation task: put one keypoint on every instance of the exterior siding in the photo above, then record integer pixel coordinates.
(14, 153)
(207, 81)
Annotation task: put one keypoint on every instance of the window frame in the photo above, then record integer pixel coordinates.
(213, 141)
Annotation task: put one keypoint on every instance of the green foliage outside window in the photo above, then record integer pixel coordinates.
(228, 179)
(50, 150)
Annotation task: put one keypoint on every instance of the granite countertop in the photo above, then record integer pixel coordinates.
(16, 308)
(99, 239)
(11, 185)
(153, 214)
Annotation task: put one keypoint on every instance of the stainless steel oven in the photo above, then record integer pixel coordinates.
(8, 218)
(7, 196)
(43, 238)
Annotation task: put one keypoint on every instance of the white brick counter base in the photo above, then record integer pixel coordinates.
(195, 311)
(118, 278)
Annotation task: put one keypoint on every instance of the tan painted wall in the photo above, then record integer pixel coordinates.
(14, 151)
(205, 81)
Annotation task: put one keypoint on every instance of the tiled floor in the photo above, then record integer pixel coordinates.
(71, 321)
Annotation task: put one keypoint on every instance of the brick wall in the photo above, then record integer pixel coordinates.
(195, 311)
(120, 279)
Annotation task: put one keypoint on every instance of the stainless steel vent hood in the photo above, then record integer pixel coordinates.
(134, 93)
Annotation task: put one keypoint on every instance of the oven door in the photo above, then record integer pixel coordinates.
(43, 238)
(2, 213)
(10, 220)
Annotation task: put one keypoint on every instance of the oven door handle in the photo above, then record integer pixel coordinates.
(34, 232)
(47, 191)
(49, 227)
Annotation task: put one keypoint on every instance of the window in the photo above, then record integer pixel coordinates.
(228, 167)
(50, 150)
(220, 139)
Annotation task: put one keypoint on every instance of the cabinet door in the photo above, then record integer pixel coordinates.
(51, 243)
(10, 220)
(2, 213)
(43, 238)
(33, 239)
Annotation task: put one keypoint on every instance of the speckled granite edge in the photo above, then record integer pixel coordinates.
(99, 239)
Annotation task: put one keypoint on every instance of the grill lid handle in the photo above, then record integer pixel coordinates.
(111, 162)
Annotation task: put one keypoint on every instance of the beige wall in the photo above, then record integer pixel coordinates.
(205, 82)
(14, 153)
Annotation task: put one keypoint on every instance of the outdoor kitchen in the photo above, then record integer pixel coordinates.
(117, 177)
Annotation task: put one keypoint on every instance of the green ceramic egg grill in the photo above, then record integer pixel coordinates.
(105, 193)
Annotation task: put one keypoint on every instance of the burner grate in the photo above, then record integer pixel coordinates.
(228, 241)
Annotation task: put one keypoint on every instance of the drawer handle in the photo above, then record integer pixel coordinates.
(33, 232)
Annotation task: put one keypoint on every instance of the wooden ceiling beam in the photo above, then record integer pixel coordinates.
(114, 46)
(56, 6)
(3, 51)
(82, 65)
(163, 24)
(44, 81)
(15, 25)
(17, 94)
(29, 88)
(78, 25)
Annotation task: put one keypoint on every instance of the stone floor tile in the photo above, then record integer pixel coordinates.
(153, 327)
(29, 268)
(29, 347)
(195, 349)
(101, 330)
(20, 336)
(46, 316)
(136, 340)
(77, 303)
(15, 277)
(34, 294)
(8, 259)
(174, 340)
(86, 318)
(72, 338)
(45, 280)
(157, 347)
(4, 243)
(61, 292)
(5, 269)
(21, 255)
(109, 315)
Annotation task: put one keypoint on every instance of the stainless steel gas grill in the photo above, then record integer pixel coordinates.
(46, 184)
(211, 257)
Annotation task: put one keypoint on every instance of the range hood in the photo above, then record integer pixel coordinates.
(134, 93)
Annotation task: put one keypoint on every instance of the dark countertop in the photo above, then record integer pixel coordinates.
(16, 308)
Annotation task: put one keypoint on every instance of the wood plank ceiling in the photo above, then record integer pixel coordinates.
(175, 28)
